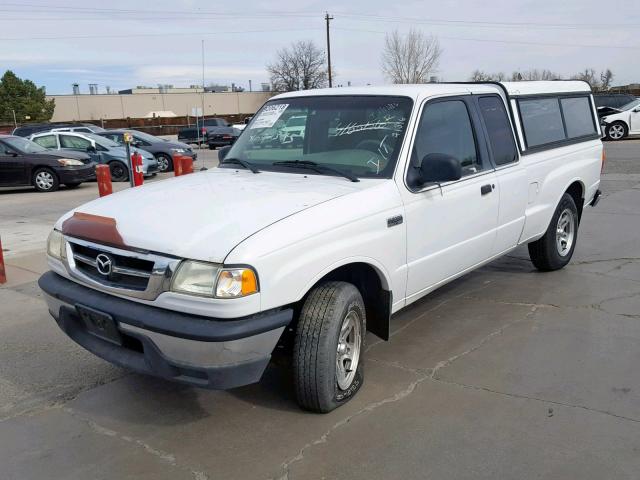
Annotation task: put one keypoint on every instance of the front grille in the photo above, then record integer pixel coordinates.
(122, 272)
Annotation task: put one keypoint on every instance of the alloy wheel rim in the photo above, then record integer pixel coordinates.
(565, 232)
(163, 164)
(117, 172)
(348, 350)
(616, 131)
(44, 180)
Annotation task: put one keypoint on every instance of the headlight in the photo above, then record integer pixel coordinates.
(67, 162)
(56, 245)
(178, 150)
(236, 282)
(210, 280)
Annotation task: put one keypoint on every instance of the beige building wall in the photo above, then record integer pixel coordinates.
(96, 107)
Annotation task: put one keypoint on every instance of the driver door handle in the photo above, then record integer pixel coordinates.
(485, 189)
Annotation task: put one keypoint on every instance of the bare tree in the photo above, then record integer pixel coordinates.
(606, 78)
(480, 76)
(411, 59)
(301, 66)
(535, 74)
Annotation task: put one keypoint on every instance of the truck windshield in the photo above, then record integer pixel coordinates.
(358, 135)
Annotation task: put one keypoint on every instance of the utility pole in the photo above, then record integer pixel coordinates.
(203, 83)
(328, 19)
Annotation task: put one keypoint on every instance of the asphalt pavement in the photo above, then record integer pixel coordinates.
(504, 373)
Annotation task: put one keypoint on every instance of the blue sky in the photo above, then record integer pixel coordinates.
(126, 43)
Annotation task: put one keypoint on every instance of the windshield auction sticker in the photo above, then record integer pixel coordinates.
(269, 115)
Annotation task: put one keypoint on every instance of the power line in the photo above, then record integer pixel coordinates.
(186, 34)
(519, 42)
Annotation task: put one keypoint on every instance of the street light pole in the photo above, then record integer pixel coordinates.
(328, 19)
(14, 118)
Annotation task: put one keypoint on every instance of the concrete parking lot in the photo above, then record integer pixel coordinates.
(504, 373)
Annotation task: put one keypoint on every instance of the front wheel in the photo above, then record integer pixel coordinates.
(616, 131)
(119, 172)
(555, 249)
(45, 180)
(329, 346)
(165, 164)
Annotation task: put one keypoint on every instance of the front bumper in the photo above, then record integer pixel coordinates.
(200, 351)
(78, 174)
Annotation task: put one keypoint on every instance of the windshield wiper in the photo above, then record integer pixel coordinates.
(317, 167)
(243, 163)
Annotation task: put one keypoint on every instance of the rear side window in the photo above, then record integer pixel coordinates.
(541, 121)
(499, 129)
(47, 141)
(578, 116)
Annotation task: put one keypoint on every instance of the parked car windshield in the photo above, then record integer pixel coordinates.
(103, 142)
(145, 137)
(630, 105)
(358, 135)
(23, 145)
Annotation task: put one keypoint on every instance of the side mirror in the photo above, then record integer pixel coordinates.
(91, 149)
(636, 110)
(222, 152)
(439, 167)
(11, 153)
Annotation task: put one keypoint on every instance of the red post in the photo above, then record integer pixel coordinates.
(187, 165)
(138, 176)
(3, 273)
(177, 165)
(103, 175)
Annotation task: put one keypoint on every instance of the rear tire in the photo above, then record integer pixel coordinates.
(45, 180)
(555, 249)
(329, 347)
(617, 131)
(119, 171)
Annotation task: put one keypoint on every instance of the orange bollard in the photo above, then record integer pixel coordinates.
(3, 273)
(103, 175)
(187, 165)
(136, 163)
(177, 165)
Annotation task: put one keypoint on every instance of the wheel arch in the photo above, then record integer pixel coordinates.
(374, 286)
(577, 190)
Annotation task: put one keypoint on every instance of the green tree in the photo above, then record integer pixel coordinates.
(25, 98)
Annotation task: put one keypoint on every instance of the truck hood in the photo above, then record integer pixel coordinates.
(204, 215)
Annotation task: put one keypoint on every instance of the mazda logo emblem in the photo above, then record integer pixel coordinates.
(104, 264)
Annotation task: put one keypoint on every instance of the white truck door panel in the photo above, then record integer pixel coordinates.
(449, 231)
(450, 227)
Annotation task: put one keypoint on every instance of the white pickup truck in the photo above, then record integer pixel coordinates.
(391, 193)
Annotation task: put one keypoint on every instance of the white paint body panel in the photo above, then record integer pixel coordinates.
(295, 228)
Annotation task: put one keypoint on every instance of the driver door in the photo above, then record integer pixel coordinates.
(634, 120)
(450, 227)
(13, 169)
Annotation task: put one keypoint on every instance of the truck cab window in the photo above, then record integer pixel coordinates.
(445, 128)
(499, 129)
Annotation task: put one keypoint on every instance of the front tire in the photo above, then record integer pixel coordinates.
(119, 172)
(329, 347)
(165, 164)
(45, 180)
(617, 131)
(555, 249)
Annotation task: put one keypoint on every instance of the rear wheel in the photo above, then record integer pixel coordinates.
(165, 164)
(555, 249)
(45, 180)
(616, 131)
(119, 172)
(328, 348)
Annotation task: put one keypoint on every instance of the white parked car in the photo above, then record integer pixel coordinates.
(624, 123)
(394, 192)
(100, 149)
